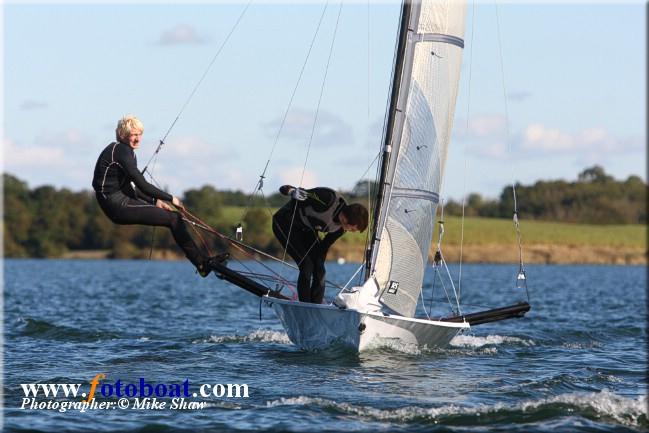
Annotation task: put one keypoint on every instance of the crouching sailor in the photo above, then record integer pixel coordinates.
(127, 198)
(308, 212)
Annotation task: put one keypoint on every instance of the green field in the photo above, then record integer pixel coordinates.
(482, 231)
(494, 231)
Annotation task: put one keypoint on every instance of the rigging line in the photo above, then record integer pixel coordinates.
(322, 87)
(448, 298)
(521, 270)
(459, 278)
(443, 261)
(502, 76)
(368, 61)
(244, 248)
(239, 245)
(423, 303)
(350, 280)
(315, 121)
(198, 223)
(380, 190)
(297, 84)
(432, 291)
(154, 227)
(459, 311)
(200, 81)
(241, 263)
(370, 166)
(259, 184)
(369, 202)
(369, 194)
(468, 113)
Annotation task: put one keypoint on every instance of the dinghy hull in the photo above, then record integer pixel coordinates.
(314, 327)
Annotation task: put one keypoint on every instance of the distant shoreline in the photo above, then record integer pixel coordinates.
(490, 253)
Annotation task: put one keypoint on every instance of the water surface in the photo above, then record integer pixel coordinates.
(577, 362)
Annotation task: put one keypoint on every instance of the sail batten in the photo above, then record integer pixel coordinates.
(419, 137)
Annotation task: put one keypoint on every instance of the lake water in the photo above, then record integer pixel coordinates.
(577, 362)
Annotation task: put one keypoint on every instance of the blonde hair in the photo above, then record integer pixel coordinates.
(126, 125)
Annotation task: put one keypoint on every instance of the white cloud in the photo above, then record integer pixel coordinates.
(72, 138)
(487, 136)
(484, 135)
(31, 104)
(18, 158)
(196, 149)
(189, 162)
(589, 142)
(480, 126)
(48, 164)
(293, 175)
(181, 34)
(519, 96)
(61, 149)
(330, 130)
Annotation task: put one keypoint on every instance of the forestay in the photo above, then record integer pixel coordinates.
(420, 133)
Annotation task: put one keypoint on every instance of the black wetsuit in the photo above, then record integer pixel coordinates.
(116, 168)
(319, 212)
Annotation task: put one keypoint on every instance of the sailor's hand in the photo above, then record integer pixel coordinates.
(162, 205)
(176, 202)
(298, 194)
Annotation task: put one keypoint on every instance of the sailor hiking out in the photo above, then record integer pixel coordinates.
(127, 198)
(296, 226)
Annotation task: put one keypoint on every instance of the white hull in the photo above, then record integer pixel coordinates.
(312, 327)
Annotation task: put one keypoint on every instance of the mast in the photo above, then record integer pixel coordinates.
(397, 73)
(420, 119)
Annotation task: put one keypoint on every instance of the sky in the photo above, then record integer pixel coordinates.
(564, 89)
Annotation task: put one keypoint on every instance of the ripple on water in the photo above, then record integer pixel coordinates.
(603, 405)
(42, 329)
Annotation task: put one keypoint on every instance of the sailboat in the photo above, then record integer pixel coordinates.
(426, 74)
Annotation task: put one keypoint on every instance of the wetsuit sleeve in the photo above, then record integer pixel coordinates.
(139, 194)
(128, 164)
(328, 241)
(320, 199)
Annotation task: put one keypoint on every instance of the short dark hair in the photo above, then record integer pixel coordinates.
(356, 215)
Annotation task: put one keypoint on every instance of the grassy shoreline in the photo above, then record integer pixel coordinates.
(535, 253)
(489, 240)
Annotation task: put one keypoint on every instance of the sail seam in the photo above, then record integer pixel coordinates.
(416, 194)
(440, 37)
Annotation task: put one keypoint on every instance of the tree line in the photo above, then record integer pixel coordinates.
(594, 198)
(47, 222)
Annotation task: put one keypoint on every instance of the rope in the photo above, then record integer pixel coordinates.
(432, 292)
(448, 298)
(439, 258)
(315, 121)
(161, 142)
(260, 183)
(322, 87)
(468, 112)
(355, 273)
(248, 250)
(154, 227)
(423, 303)
(521, 279)
(459, 278)
(200, 81)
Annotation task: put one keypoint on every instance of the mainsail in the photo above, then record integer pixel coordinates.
(427, 73)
